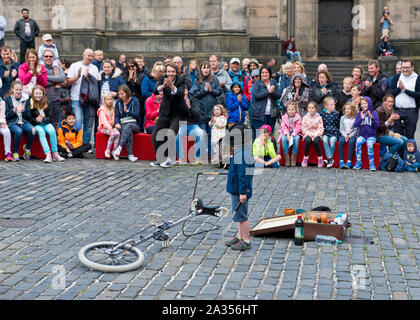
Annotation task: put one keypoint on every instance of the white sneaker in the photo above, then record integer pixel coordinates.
(117, 151)
(166, 164)
(132, 158)
(155, 164)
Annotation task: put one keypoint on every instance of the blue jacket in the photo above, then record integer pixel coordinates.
(235, 108)
(115, 80)
(387, 157)
(240, 174)
(7, 82)
(260, 96)
(133, 110)
(148, 85)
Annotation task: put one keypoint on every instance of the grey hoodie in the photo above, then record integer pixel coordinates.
(224, 77)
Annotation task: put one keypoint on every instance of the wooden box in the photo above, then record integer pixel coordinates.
(311, 230)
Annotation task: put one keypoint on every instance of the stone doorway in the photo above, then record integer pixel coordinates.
(335, 32)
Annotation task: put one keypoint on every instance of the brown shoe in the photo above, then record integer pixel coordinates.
(293, 162)
(287, 158)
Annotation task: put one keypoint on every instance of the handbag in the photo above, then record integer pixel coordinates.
(392, 164)
(275, 111)
(128, 120)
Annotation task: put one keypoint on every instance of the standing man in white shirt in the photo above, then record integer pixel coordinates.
(84, 116)
(406, 89)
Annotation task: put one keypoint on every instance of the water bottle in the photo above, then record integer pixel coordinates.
(327, 240)
(299, 231)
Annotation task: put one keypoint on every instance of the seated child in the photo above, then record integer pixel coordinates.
(263, 150)
(218, 124)
(290, 133)
(5, 132)
(70, 137)
(331, 121)
(348, 134)
(367, 120)
(106, 119)
(237, 104)
(41, 115)
(152, 106)
(412, 157)
(312, 131)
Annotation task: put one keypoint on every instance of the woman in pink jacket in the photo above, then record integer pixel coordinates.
(290, 133)
(152, 111)
(312, 130)
(32, 73)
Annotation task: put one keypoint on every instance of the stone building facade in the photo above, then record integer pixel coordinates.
(344, 29)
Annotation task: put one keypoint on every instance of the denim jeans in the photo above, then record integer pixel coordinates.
(191, 130)
(267, 158)
(395, 144)
(341, 144)
(42, 130)
(285, 144)
(296, 54)
(17, 132)
(85, 117)
(206, 128)
(329, 145)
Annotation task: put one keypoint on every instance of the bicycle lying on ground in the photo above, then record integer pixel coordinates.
(123, 256)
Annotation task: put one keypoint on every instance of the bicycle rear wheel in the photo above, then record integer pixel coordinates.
(100, 256)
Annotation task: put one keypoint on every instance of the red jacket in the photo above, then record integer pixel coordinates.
(152, 111)
(286, 45)
(25, 76)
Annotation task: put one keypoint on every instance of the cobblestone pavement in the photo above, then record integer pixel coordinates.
(82, 201)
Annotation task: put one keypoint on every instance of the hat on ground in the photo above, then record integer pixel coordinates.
(46, 37)
(233, 60)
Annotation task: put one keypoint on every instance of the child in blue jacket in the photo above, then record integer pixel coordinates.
(237, 104)
(239, 183)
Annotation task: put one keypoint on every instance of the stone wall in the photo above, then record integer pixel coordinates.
(199, 27)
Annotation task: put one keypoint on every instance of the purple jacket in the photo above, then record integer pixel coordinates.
(367, 125)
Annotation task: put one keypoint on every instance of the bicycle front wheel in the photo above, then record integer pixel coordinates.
(102, 257)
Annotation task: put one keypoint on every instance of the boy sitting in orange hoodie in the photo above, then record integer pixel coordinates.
(70, 134)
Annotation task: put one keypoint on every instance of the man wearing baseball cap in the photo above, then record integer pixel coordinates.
(236, 74)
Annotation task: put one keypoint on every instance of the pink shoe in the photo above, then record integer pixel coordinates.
(57, 157)
(305, 162)
(48, 158)
(320, 162)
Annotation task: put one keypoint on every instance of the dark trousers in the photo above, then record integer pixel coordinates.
(406, 124)
(77, 153)
(1, 42)
(25, 46)
(316, 142)
(341, 143)
(160, 135)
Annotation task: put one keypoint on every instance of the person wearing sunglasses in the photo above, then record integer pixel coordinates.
(56, 77)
